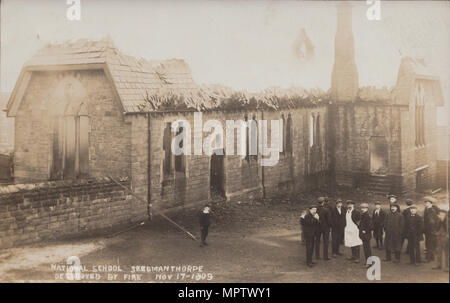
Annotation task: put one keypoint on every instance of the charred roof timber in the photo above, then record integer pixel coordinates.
(167, 85)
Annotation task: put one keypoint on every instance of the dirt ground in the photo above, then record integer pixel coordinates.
(249, 241)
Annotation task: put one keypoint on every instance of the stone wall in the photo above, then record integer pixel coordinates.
(6, 168)
(306, 168)
(6, 126)
(418, 157)
(109, 135)
(442, 173)
(303, 169)
(58, 209)
(355, 127)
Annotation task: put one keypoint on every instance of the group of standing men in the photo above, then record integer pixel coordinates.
(353, 228)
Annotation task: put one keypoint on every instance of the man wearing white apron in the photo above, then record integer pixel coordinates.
(351, 232)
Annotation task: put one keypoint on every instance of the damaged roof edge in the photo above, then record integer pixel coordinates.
(25, 75)
(167, 85)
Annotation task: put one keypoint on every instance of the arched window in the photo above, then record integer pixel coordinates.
(83, 142)
(282, 143)
(317, 130)
(420, 116)
(251, 138)
(180, 160)
(70, 143)
(288, 137)
(311, 130)
(167, 141)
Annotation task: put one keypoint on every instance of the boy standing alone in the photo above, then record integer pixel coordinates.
(310, 225)
(205, 221)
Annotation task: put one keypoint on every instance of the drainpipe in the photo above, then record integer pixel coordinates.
(149, 165)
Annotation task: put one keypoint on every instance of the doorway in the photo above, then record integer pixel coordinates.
(378, 155)
(421, 180)
(217, 187)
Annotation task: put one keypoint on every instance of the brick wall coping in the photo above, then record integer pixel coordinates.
(15, 188)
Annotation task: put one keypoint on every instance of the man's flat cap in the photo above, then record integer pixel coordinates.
(364, 205)
(396, 205)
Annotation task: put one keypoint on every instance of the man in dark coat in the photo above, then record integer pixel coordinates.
(310, 224)
(365, 230)
(324, 228)
(414, 234)
(378, 218)
(442, 240)
(302, 214)
(337, 216)
(406, 212)
(430, 219)
(394, 228)
(205, 221)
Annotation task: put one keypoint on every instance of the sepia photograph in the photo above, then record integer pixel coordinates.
(202, 142)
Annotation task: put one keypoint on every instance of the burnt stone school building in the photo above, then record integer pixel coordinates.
(105, 114)
(85, 111)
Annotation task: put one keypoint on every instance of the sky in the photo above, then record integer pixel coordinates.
(242, 44)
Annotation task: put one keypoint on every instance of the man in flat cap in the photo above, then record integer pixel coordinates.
(394, 229)
(365, 230)
(414, 234)
(351, 231)
(431, 222)
(324, 228)
(337, 216)
(392, 198)
(378, 217)
(406, 212)
(310, 224)
(408, 202)
(442, 240)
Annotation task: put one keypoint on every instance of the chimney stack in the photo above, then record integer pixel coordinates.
(344, 78)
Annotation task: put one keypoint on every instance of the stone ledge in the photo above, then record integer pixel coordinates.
(48, 185)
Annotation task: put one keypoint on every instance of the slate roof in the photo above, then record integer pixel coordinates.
(134, 79)
(419, 68)
(152, 85)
